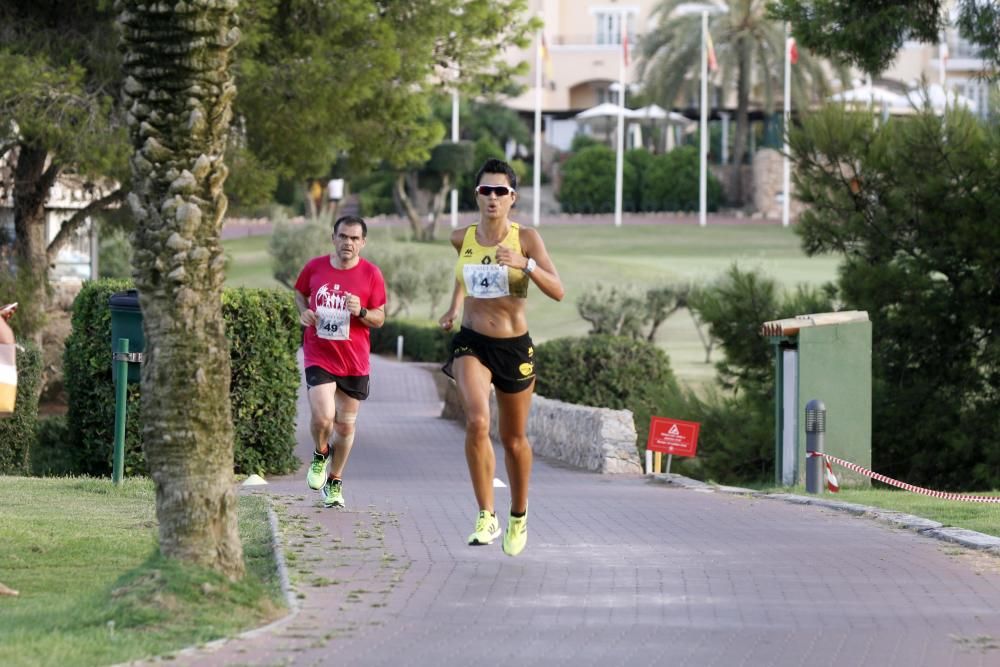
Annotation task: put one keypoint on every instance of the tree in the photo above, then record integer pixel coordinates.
(57, 116)
(358, 77)
(921, 253)
(317, 80)
(750, 50)
(869, 34)
(179, 90)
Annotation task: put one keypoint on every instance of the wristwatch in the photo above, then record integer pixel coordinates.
(530, 266)
(363, 312)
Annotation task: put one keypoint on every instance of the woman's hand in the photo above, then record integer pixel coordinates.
(507, 257)
(447, 320)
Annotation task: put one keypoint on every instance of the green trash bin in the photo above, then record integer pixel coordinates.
(126, 322)
(827, 357)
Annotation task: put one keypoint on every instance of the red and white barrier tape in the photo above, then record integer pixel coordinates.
(902, 485)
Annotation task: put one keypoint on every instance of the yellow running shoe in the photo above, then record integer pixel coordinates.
(487, 529)
(516, 535)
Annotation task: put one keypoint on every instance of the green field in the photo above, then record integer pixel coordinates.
(589, 254)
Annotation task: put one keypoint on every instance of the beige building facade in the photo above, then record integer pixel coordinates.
(584, 44)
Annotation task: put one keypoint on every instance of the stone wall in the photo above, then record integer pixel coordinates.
(595, 439)
(768, 176)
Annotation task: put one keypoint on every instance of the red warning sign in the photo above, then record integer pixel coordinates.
(673, 436)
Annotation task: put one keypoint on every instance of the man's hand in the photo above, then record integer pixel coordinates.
(353, 303)
(307, 318)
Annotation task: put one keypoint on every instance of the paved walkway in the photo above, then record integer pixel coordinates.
(618, 570)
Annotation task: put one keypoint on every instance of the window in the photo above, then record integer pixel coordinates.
(609, 27)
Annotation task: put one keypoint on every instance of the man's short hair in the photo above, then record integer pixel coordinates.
(495, 166)
(351, 220)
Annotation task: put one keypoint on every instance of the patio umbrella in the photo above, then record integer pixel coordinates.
(939, 99)
(603, 117)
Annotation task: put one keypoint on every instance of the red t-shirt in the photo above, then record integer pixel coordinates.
(339, 343)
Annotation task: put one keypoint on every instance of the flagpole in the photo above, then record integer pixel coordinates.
(536, 195)
(620, 152)
(454, 139)
(703, 172)
(786, 166)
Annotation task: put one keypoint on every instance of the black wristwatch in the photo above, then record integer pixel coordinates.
(363, 312)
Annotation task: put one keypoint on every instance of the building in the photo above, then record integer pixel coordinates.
(78, 258)
(584, 40)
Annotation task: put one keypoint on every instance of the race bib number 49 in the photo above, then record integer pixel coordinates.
(486, 281)
(333, 323)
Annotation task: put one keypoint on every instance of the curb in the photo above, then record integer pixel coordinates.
(215, 644)
(969, 539)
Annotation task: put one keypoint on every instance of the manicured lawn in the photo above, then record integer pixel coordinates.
(93, 591)
(586, 255)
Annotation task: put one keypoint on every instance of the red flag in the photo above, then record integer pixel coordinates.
(713, 64)
(625, 43)
(793, 51)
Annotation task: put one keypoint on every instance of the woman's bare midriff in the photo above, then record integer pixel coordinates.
(503, 317)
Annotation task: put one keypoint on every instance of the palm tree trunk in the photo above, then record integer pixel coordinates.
(178, 91)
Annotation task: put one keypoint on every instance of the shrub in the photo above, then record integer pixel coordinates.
(51, 455)
(17, 433)
(588, 181)
(610, 372)
(292, 246)
(422, 341)
(672, 183)
(263, 332)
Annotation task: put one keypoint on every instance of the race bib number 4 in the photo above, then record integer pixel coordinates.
(333, 323)
(486, 281)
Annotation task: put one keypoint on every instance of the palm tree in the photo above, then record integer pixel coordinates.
(750, 50)
(179, 91)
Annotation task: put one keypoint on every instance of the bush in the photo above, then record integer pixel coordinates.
(17, 433)
(263, 332)
(672, 183)
(610, 372)
(291, 247)
(422, 341)
(588, 181)
(51, 455)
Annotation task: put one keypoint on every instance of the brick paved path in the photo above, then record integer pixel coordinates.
(618, 570)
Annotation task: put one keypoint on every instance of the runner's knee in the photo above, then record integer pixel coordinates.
(477, 424)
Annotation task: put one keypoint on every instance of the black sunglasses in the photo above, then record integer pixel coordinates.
(498, 190)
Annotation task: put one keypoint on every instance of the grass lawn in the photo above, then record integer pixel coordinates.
(93, 591)
(586, 255)
(981, 517)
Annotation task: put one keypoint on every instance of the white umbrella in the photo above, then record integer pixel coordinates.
(606, 110)
(872, 95)
(656, 112)
(939, 99)
(603, 118)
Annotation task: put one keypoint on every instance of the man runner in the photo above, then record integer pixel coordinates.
(340, 297)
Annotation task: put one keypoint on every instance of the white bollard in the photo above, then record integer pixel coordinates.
(399, 348)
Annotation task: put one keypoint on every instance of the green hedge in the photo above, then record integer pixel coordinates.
(17, 432)
(610, 372)
(422, 341)
(263, 331)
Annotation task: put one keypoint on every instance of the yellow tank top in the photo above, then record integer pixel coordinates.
(481, 277)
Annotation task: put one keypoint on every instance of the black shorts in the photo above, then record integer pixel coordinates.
(510, 360)
(355, 386)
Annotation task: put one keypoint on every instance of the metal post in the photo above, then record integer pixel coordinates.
(815, 442)
(399, 348)
(121, 393)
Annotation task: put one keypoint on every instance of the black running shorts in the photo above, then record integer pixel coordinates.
(355, 386)
(510, 360)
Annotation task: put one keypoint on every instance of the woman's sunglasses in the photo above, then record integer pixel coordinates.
(498, 190)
